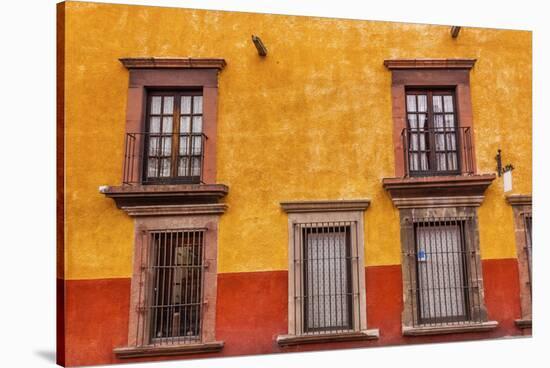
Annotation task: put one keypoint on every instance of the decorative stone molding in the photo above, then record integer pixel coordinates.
(177, 210)
(151, 351)
(475, 327)
(430, 63)
(172, 63)
(435, 202)
(154, 195)
(325, 206)
(290, 340)
(467, 188)
(519, 199)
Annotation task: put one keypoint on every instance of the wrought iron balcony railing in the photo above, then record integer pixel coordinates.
(164, 158)
(437, 151)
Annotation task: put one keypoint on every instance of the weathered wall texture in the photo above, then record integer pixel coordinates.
(312, 120)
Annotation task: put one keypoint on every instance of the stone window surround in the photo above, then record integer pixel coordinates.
(180, 73)
(326, 211)
(521, 205)
(433, 73)
(175, 217)
(438, 207)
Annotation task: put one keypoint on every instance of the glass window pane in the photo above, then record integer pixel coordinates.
(167, 124)
(197, 143)
(154, 125)
(449, 121)
(152, 167)
(448, 103)
(422, 103)
(185, 124)
(422, 121)
(197, 105)
(183, 167)
(412, 121)
(185, 104)
(168, 107)
(165, 167)
(451, 141)
(196, 166)
(411, 103)
(437, 104)
(155, 104)
(184, 146)
(153, 146)
(438, 123)
(166, 146)
(197, 124)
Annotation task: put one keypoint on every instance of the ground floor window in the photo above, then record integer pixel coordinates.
(445, 292)
(324, 264)
(175, 282)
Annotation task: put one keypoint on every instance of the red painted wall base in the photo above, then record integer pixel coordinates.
(252, 312)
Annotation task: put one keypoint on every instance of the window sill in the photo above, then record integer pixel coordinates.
(450, 329)
(289, 340)
(434, 191)
(151, 351)
(524, 323)
(126, 196)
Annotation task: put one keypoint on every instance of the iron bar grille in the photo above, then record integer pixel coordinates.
(528, 223)
(445, 273)
(171, 293)
(326, 274)
(437, 151)
(168, 158)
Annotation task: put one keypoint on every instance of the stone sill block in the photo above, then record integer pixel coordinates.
(289, 340)
(524, 323)
(151, 351)
(450, 329)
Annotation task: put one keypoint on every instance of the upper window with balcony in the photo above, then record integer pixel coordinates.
(170, 133)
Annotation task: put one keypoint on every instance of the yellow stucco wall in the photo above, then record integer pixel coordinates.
(312, 120)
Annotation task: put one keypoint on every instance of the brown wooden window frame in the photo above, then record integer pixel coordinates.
(430, 134)
(176, 135)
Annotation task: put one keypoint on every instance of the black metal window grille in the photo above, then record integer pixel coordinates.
(325, 277)
(172, 146)
(445, 281)
(433, 141)
(528, 223)
(171, 305)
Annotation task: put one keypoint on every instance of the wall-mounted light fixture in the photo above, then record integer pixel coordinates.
(262, 50)
(455, 31)
(501, 170)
